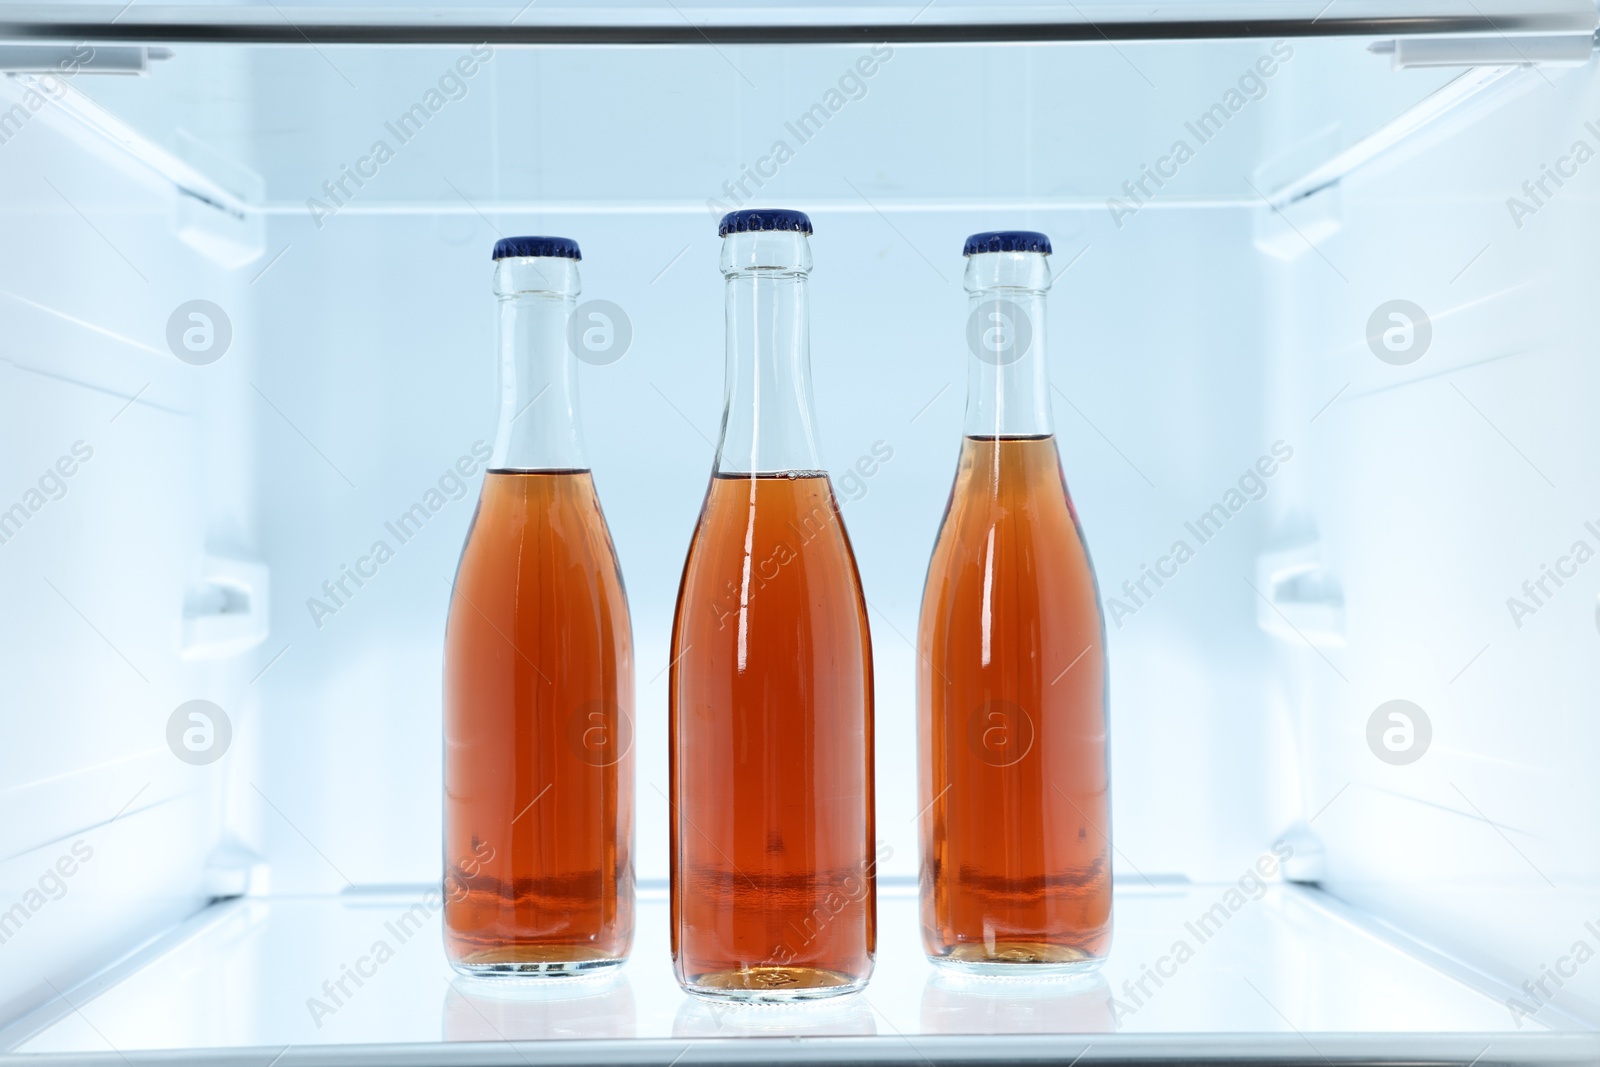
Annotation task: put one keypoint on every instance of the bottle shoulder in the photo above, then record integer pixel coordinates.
(541, 527)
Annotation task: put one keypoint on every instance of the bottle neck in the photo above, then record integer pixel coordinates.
(1008, 382)
(767, 425)
(538, 427)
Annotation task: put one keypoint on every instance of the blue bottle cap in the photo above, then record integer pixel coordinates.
(559, 247)
(758, 219)
(1007, 241)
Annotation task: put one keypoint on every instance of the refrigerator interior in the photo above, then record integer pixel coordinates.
(179, 523)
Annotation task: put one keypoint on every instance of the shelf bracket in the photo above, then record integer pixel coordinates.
(1551, 50)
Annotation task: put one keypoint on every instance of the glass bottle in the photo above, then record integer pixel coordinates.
(538, 669)
(773, 882)
(1011, 670)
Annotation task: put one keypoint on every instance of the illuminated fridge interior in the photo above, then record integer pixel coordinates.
(1212, 318)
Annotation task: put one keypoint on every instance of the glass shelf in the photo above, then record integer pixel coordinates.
(1286, 975)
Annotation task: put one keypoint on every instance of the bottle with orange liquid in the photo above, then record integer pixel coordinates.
(1011, 671)
(770, 705)
(538, 669)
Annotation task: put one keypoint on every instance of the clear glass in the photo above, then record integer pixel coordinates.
(1011, 671)
(539, 427)
(770, 707)
(538, 677)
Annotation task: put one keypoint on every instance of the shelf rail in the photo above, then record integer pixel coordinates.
(281, 29)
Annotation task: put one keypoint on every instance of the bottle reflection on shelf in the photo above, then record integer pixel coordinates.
(1077, 1004)
(845, 1017)
(501, 1010)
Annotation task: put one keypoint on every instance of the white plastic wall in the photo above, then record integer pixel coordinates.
(1439, 487)
(122, 470)
(382, 340)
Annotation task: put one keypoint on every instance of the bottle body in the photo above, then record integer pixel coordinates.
(1011, 691)
(770, 690)
(773, 888)
(538, 748)
(538, 687)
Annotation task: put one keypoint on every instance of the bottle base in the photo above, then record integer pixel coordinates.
(533, 961)
(1016, 959)
(772, 985)
(530, 969)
